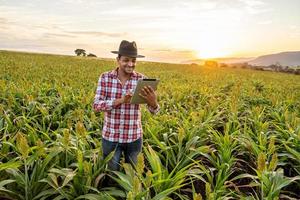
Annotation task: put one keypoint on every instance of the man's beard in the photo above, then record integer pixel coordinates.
(128, 69)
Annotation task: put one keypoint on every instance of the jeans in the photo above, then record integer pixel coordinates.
(131, 151)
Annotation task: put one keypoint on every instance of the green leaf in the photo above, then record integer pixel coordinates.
(10, 165)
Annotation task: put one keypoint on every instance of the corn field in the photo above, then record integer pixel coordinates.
(220, 134)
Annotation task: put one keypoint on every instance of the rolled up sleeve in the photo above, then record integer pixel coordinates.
(100, 101)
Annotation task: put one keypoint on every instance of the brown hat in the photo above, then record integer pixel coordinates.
(128, 49)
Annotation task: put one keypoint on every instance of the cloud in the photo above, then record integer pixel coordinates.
(54, 35)
(24, 44)
(3, 23)
(3, 20)
(162, 50)
(256, 6)
(98, 33)
(48, 26)
(265, 22)
(171, 51)
(294, 32)
(253, 2)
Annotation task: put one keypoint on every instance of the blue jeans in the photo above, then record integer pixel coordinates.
(131, 151)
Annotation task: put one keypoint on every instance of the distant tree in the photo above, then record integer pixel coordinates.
(244, 65)
(275, 67)
(91, 55)
(297, 71)
(278, 67)
(80, 52)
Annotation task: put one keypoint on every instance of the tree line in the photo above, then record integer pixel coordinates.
(82, 52)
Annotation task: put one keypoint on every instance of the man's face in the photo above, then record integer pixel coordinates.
(126, 64)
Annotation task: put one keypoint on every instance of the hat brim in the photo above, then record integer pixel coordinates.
(133, 56)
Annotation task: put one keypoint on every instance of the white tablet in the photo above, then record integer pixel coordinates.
(136, 98)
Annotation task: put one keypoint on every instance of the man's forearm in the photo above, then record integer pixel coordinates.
(107, 104)
(117, 102)
(103, 105)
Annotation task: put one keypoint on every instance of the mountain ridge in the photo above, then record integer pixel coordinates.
(286, 58)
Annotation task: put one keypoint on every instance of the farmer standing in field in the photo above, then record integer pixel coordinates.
(122, 130)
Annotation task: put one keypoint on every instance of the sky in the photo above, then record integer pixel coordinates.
(166, 31)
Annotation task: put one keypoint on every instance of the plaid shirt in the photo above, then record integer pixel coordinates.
(122, 123)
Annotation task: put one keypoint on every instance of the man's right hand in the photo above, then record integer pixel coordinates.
(127, 97)
(124, 99)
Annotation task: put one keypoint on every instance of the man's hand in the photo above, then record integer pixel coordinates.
(149, 94)
(124, 99)
(127, 97)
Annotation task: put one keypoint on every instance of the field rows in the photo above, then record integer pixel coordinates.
(220, 134)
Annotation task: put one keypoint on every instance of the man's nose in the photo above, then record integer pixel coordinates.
(130, 63)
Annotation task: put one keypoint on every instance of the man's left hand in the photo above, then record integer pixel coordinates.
(149, 94)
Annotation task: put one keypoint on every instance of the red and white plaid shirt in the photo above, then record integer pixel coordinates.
(122, 123)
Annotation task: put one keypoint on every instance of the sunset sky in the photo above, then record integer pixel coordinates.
(168, 31)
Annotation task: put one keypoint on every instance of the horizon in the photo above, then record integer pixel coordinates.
(166, 31)
(220, 60)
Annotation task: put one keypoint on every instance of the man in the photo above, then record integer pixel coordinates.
(122, 130)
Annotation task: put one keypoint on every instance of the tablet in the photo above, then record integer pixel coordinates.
(136, 98)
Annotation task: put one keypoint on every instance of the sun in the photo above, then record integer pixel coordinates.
(211, 49)
(212, 45)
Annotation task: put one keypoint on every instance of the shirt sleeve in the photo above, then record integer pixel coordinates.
(100, 101)
(152, 110)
